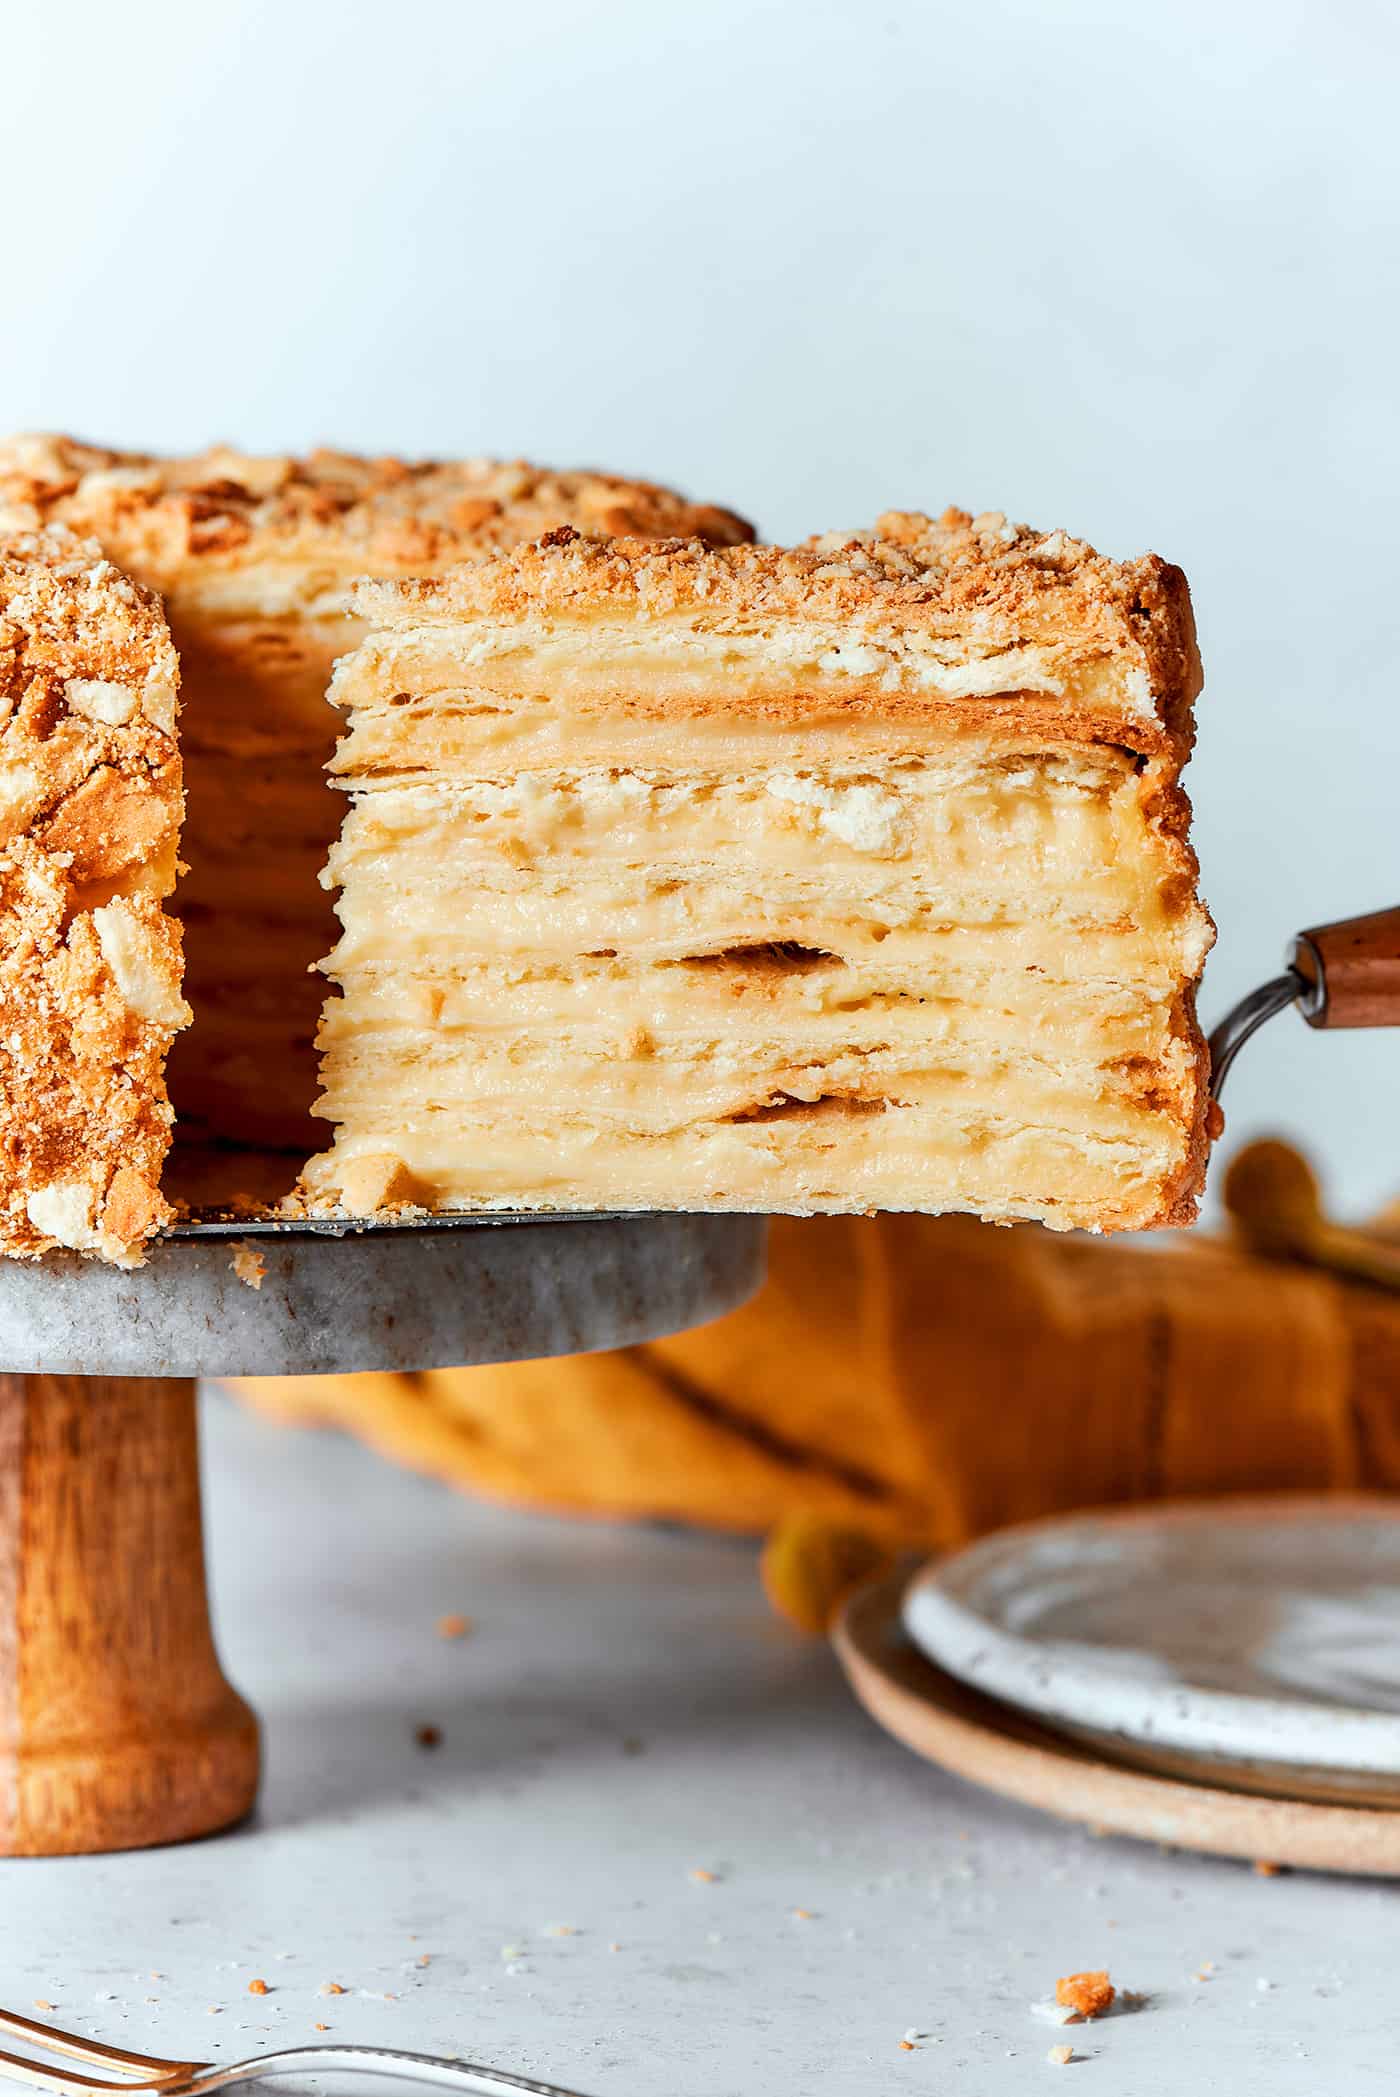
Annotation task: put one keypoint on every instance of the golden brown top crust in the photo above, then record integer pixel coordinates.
(197, 525)
(921, 570)
(979, 583)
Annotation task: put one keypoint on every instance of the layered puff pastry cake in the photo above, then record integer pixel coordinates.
(90, 965)
(254, 559)
(847, 877)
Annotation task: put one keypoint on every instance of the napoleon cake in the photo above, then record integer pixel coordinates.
(847, 877)
(90, 965)
(254, 558)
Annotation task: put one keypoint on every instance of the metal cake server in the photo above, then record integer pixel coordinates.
(1341, 975)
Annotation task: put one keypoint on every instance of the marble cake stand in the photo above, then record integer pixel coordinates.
(117, 1726)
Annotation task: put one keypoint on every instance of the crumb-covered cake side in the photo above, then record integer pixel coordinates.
(90, 965)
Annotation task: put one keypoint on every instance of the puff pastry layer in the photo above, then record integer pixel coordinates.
(848, 876)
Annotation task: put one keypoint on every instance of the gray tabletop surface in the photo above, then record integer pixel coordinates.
(658, 1852)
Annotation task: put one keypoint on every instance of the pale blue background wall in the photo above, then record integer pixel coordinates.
(1128, 269)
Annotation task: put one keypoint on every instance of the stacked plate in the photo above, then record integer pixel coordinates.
(1253, 1644)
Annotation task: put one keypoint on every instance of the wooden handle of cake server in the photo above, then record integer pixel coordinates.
(1351, 971)
(117, 1727)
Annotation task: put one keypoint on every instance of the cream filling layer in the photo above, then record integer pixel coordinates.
(695, 656)
(485, 736)
(1062, 821)
(1048, 866)
(779, 1004)
(672, 1086)
(902, 925)
(916, 1157)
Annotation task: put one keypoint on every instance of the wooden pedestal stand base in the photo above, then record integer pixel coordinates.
(117, 1728)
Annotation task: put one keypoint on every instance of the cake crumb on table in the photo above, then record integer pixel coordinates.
(248, 1264)
(454, 1625)
(1087, 1994)
(1060, 2055)
(258, 1987)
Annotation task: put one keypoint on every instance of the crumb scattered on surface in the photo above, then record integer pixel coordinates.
(1087, 1994)
(429, 1736)
(425, 1958)
(1265, 1868)
(248, 1264)
(906, 2045)
(320, 2027)
(1060, 2055)
(802, 1915)
(330, 1988)
(703, 1877)
(453, 1626)
(41, 2004)
(258, 1987)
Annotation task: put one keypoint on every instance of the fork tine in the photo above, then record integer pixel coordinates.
(160, 2074)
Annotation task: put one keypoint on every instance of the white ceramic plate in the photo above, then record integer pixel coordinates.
(1252, 1641)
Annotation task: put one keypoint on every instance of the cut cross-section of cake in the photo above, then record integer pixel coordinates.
(848, 876)
(255, 558)
(90, 965)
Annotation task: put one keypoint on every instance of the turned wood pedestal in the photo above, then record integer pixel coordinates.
(117, 1726)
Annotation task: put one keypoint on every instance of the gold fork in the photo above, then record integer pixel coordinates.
(148, 2072)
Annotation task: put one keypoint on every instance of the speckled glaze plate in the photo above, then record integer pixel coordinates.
(989, 1744)
(1254, 1642)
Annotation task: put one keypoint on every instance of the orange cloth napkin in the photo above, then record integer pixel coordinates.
(925, 1376)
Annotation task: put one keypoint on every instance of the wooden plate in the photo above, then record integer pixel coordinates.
(991, 1745)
